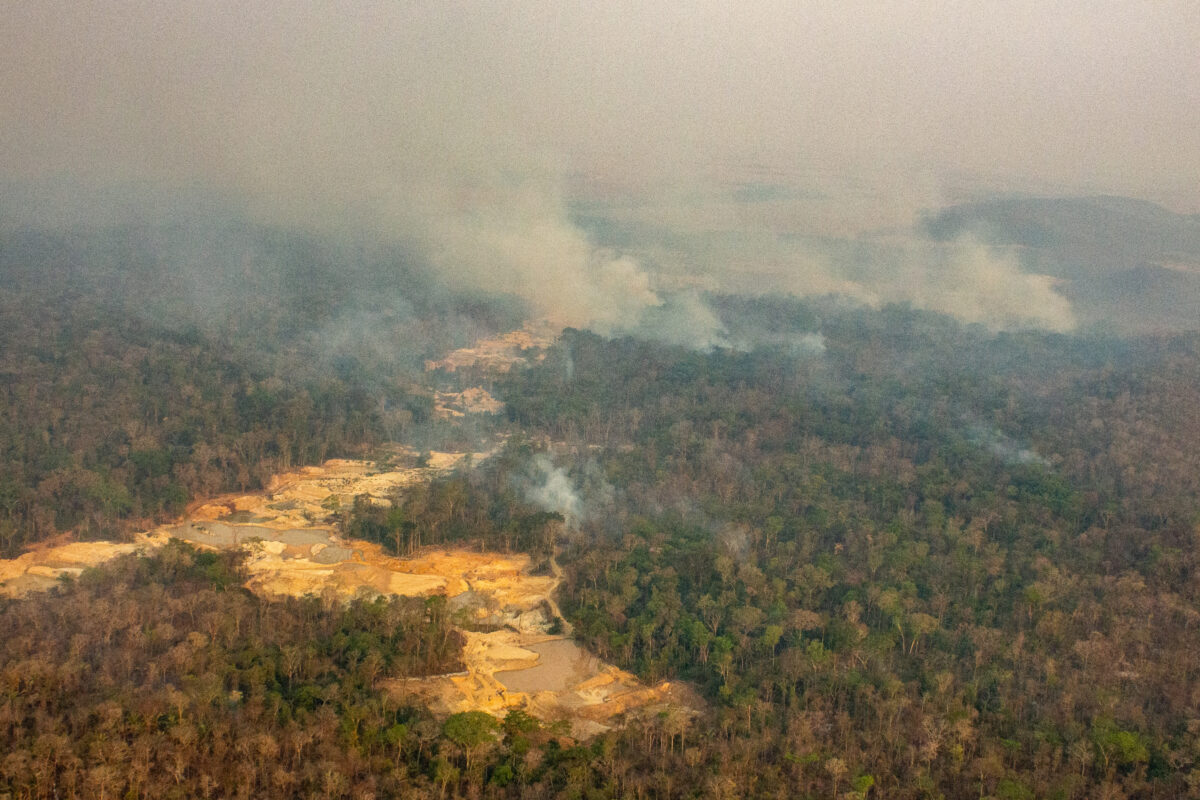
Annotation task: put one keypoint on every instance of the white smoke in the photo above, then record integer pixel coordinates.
(580, 499)
(514, 236)
(683, 319)
(981, 284)
(455, 125)
(970, 281)
(550, 488)
(809, 344)
(388, 128)
(1004, 448)
(523, 242)
(811, 237)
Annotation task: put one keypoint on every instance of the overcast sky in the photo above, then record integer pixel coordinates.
(338, 98)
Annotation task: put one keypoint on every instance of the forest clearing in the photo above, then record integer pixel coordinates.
(512, 661)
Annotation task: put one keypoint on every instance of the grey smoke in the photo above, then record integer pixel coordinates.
(809, 344)
(466, 132)
(683, 318)
(728, 240)
(383, 130)
(798, 345)
(550, 488)
(581, 498)
(1003, 447)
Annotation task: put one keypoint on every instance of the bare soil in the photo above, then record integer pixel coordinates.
(511, 659)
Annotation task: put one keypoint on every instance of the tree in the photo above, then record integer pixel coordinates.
(471, 730)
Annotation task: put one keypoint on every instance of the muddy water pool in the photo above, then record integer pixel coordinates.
(224, 534)
(562, 664)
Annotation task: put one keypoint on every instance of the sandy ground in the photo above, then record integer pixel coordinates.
(499, 354)
(561, 665)
(511, 659)
(550, 677)
(469, 401)
(41, 568)
(292, 551)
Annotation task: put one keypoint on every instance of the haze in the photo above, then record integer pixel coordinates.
(475, 131)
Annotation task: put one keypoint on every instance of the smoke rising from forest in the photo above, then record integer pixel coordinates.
(1003, 447)
(468, 136)
(551, 489)
(963, 278)
(580, 498)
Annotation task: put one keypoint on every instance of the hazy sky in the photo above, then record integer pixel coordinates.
(1079, 94)
(467, 126)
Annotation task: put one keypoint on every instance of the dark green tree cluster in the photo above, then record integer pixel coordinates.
(476, 507)
(931, 560)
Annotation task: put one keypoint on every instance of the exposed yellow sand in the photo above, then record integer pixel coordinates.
(41, 568)
(474, 400)
(499, 353)
(292, 551)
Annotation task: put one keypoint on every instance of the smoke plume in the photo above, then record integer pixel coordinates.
(464, 133)
(1003, 447)
(550, 488)
(580, 499)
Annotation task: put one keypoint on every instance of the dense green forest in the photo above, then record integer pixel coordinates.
(896, 555)
(932, 561)
(959, 564)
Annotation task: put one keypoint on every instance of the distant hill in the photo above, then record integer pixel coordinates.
(1127, 265)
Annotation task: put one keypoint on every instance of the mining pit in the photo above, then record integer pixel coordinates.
(500, 353)
(511, 659)
(474, 400)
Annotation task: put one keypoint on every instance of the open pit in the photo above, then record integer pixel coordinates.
(500, 353)
(511, 659)
(474, 400)
(561, 665)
